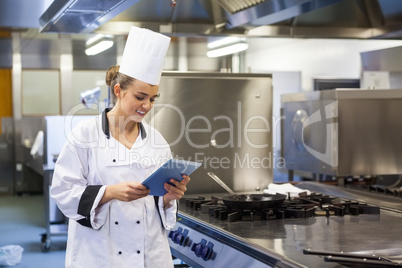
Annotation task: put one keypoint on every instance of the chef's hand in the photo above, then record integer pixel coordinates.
(124, 191)
(175, 192)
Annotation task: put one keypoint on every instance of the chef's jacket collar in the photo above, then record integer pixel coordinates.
(105, 125)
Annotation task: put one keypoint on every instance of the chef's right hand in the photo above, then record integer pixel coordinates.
(124, 191)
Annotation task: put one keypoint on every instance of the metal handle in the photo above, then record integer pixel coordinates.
(221, 183)
(346, 255)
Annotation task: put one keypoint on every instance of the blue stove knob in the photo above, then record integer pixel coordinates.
(179, 236)
(197, 248)
(172, 235)
(205, 253)
(178, 239)
(202, 250)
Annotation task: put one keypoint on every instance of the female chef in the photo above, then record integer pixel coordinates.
(113, 222)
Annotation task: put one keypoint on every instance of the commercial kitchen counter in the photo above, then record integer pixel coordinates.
(280, 242)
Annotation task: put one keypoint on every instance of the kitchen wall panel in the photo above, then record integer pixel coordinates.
(40, 92)
(315, 58)
(40, 53)
(5, 53)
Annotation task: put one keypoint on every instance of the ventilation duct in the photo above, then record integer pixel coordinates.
(80, 16)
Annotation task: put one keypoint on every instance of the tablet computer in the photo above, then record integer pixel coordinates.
(172, 169)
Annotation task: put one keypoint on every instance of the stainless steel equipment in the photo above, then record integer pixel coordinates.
(343, 132)
(7, 157)
(333, 219)
(210, 234)
(29, 175)
(384, 60)
(222, 120)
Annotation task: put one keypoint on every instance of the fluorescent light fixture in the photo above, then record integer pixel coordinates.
(226, 46)
(99, 47)
(98, 44)
(94, 39)
(227, 50)
(224, 41)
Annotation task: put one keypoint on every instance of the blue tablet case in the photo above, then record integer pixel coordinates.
(172, 169)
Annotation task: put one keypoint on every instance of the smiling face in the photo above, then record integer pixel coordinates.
(137, 100)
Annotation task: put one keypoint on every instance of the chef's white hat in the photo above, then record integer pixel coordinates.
(144, 54)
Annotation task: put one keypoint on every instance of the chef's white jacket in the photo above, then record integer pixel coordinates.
(115, 234)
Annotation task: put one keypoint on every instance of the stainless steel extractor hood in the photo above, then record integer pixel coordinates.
(362, 19)
(80, 16)
(269, 12)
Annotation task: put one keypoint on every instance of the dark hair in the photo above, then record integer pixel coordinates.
(113, 77)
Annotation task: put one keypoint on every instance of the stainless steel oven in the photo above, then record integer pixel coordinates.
(343, 132)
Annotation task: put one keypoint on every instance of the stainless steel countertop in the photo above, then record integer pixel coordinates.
(285, 239)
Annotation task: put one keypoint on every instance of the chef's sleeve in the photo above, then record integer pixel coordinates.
(70, 190)
(169, 215)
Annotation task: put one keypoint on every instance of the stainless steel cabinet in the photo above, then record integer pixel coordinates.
(7, 159)
(29, 173)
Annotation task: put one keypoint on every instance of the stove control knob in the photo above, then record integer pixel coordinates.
(178, 239)
(172, 235)
(179, 236)
(205, 253)
(203, 250)
(197, 248)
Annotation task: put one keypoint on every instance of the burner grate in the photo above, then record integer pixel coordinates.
(397, 192)
(305, 206)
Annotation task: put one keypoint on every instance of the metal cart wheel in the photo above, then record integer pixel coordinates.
(46, 243)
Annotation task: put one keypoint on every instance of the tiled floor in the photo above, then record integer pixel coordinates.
(22, 222)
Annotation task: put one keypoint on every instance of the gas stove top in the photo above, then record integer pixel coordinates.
(304, 206)
(277, 238)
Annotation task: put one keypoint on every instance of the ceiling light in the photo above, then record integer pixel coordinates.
(227, 50)
(226, 46)
(98, 44)
(94, 39)
(224, 41)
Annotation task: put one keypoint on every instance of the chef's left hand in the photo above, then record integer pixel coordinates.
(177, 191)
